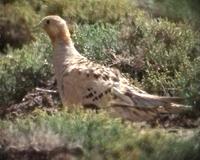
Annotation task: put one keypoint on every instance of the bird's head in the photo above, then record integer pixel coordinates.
(56, 28)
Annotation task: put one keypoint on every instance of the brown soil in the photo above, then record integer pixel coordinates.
(59, 153)
(38, 98)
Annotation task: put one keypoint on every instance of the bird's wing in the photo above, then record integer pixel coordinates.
(96, 86)
(89, 83)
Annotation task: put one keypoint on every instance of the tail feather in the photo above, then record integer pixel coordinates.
(148, 100)
(143, 114)
(134, 105)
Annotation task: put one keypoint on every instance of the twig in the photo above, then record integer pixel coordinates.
(46, 90)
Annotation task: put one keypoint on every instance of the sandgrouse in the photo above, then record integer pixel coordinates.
(83, 82)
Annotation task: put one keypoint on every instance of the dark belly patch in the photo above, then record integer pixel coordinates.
(91, 106)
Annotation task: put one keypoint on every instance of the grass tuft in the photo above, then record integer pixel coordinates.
(99, 136)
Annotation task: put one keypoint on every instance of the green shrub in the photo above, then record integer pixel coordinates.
(19, 10)
(100, 137)
(90, 11)
(170, 53)
(87, 11)
(95, 41)
(23, 69)
(189, 81)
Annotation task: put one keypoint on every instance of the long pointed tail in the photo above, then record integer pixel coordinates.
(147, 107)
(135, 105)
(143, 99)
(147, 100)
(144, 113)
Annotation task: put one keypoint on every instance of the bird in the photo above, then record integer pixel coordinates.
(82, 82)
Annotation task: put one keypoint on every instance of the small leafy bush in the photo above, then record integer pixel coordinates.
(170, 53)
(95, 41)
(23, 69)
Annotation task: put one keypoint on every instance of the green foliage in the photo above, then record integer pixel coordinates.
(179, 10)
(170, 52)
(90, 11)
(18, 10)
(95, 41)
(23, 69)
(30, 12)
(100, 137)
(87, 11)
(189, 80)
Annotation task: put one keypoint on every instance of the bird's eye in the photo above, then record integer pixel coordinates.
(48, 21)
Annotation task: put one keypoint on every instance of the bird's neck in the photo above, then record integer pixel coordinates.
(63, 53)
(58, 36)
(64, 50)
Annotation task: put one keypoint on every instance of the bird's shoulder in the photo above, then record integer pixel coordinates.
(84, 67)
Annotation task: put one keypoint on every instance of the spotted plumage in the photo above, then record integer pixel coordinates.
(83, 82)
